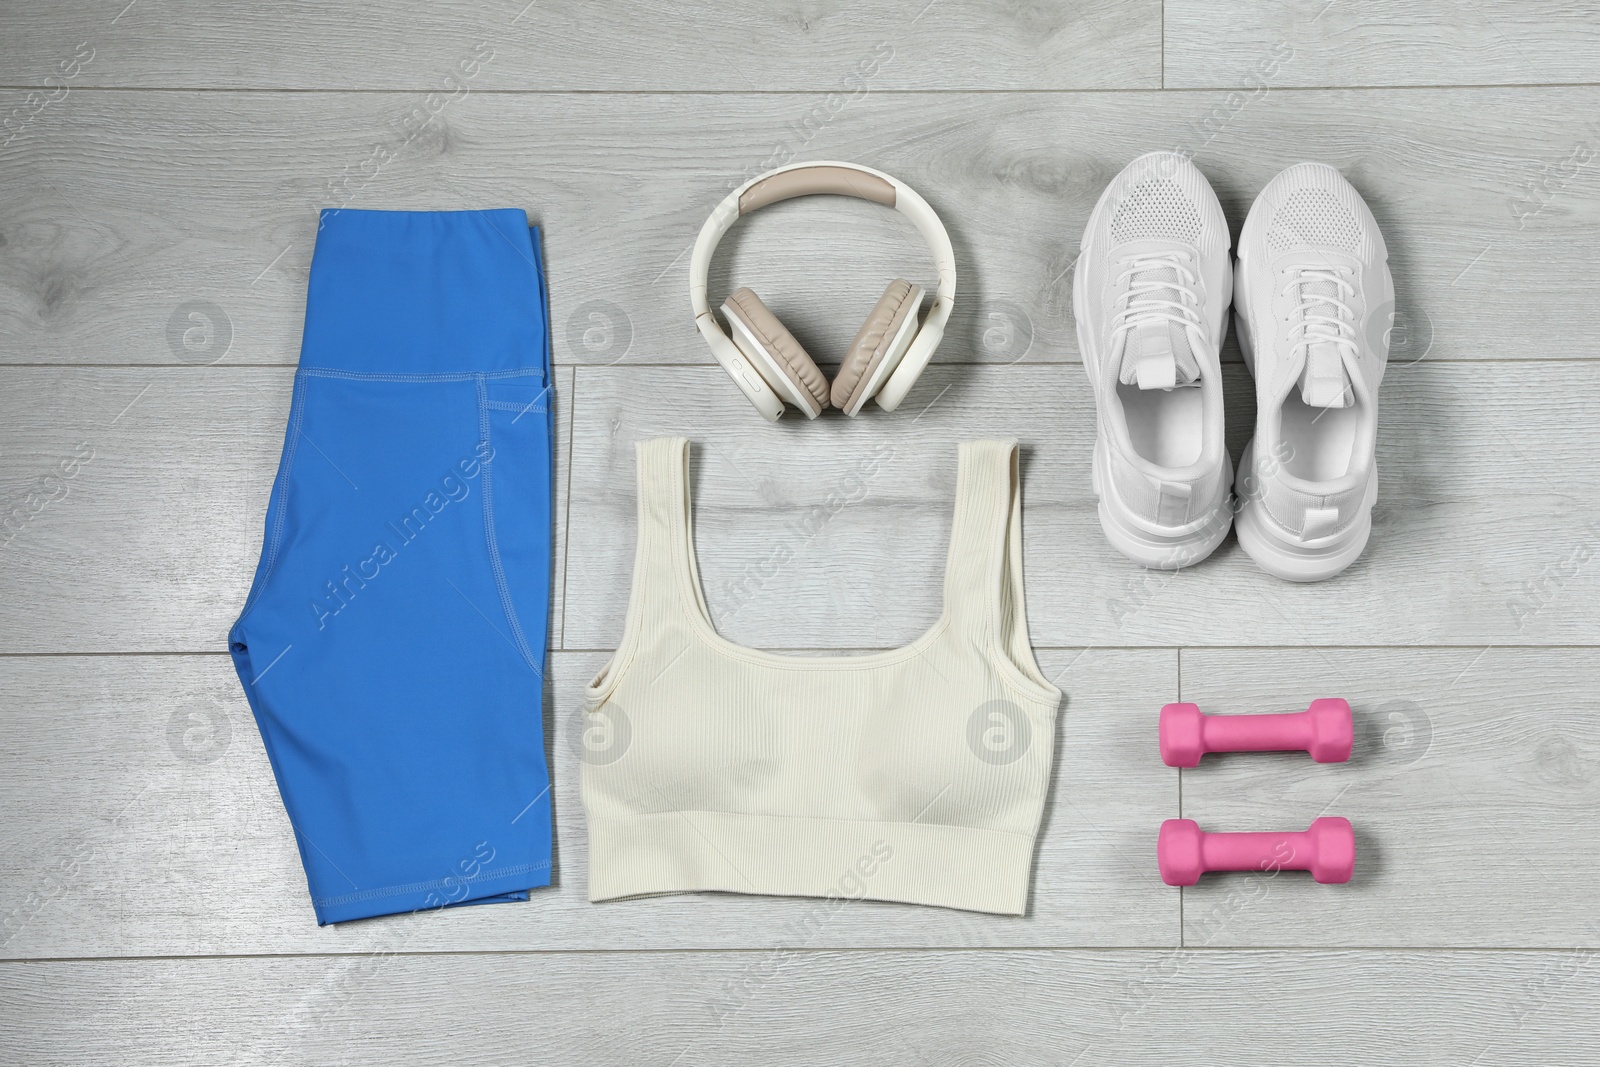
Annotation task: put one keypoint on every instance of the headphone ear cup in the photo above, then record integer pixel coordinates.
(878, 346)
(785, 365)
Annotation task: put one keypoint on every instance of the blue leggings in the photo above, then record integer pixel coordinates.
(393, 643)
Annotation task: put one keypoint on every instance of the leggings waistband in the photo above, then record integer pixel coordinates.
(426, 293)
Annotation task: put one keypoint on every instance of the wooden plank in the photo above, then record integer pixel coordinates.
(1136, 1008)
(833, 534)
(1249, 44)
(128, 205)
(1472, 775)
(151, 542)
(153, 827)
(1473, 545)
(645, 45)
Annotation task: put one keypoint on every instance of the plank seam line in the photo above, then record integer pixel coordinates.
(265, 90)
(1218, 950)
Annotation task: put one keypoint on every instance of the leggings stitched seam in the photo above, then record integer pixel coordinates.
(437, 883)
(373, 376)
(489, 534)
(537, 408)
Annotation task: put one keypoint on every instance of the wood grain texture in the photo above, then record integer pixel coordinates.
(1233, 43)
(170, 500)
(125, 206)
(1474, 772)
(154, 544)
(1315, 1009)
(833, 533)
(651, 45)
(152, 905)
(144, 820)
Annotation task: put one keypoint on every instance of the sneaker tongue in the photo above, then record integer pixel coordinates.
(1324, 382)
(1156, 354)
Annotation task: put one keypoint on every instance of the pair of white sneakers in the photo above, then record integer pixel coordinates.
(1314, 303)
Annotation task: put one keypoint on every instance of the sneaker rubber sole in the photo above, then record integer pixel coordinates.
(1166, 549)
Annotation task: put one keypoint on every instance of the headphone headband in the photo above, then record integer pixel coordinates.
(815, 178)
(839, 179)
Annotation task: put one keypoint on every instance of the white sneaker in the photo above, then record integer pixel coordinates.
(1151, 299)
(1314, 303)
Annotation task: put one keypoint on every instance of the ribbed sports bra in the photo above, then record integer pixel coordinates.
(914, 775)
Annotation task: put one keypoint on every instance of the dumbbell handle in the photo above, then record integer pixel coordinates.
(1256, 733)
(1290, 851)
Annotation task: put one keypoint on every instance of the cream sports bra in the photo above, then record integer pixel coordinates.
(916, 775)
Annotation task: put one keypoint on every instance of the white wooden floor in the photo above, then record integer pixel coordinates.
(163, 157)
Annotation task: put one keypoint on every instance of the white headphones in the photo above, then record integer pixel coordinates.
(890, 351)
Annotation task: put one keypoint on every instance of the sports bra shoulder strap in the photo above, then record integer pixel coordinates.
(983, 580)
(664, 577)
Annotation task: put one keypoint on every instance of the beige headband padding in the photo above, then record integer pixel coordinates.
(792, 359)
(803, 181)
(872, 342)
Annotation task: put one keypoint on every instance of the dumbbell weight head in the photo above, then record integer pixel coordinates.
(1178, 852)
(1332, 730)
(1333, 849)
(1181, 731)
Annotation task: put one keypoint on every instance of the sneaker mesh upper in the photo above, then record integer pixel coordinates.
(1314, 217)
(1154, 209)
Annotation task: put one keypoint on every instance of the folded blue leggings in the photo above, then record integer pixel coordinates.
(393, 644)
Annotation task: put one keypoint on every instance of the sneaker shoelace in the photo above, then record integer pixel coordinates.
(1324, 325)
(1159, 306)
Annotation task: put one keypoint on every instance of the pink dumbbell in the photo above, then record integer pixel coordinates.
(1185, 852)
(1324, 730)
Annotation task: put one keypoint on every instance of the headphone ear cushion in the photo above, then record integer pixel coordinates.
(872, 342)
(792, 359)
